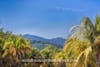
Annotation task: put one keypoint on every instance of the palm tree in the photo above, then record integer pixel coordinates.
(13, 48)
(84, 44)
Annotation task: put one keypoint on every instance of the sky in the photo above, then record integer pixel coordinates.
(45, 18)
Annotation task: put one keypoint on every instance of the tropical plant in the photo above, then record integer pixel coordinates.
(49, 53)
(84, 43)
(13, 48)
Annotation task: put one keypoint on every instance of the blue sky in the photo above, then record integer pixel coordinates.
(46, 18)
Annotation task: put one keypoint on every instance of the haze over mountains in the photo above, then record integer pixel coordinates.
(40, 42)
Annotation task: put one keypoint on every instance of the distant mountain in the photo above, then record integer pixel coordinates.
(58, 41)
(41, 42)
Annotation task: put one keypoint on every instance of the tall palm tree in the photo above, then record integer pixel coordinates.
(84, 43)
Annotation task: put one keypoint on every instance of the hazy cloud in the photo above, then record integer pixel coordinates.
(68, 9)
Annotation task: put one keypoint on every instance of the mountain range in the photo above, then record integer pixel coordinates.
(41, 42)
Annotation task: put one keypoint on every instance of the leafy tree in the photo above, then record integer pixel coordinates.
(97, 24)
(82, 44)
(49, 53)
(13, 48)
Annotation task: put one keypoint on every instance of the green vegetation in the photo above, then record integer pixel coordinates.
(83, 46)
(14, 48)
(40, 45)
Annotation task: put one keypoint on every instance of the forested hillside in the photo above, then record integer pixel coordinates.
(43, 42)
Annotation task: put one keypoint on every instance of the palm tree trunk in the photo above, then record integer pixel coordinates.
(98, 58)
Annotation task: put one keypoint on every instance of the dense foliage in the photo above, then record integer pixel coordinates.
(15, 48)
(83, 46)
